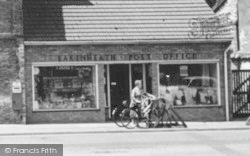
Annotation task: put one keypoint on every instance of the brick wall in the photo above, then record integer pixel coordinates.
(9, 66)
(11, 20)
(40, 53)
(230, 7)
(11, 55)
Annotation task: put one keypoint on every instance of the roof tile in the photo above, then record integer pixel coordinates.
(107, 20)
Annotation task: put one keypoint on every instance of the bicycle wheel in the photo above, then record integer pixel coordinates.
(145, 122)
(117, 117)
(130, 118)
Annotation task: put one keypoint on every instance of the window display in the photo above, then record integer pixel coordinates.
(189, 84)
(64, 87)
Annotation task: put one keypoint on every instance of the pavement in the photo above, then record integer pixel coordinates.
(40, 129)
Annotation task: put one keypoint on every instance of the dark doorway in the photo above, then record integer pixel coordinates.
(119, 84)
(137, 73)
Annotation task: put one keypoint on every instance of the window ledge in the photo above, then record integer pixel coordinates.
(66, 110)
(201, 106)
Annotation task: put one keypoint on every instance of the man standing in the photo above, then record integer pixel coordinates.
(136, 94)
(137, 97)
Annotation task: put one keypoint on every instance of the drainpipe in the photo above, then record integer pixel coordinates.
(226, 82)
(238, 27)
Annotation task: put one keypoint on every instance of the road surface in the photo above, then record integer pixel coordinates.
(188, 143)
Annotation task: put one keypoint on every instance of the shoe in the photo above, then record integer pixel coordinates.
(133, 124)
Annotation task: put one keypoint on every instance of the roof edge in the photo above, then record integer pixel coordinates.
(46, 43)
(219, 5)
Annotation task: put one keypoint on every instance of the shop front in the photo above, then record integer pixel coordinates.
(83, 83)
(82, 58)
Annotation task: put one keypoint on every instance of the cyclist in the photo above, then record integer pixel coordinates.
(137, 96)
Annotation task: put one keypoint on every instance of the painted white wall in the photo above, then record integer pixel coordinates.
(245, 65)
(244, 24)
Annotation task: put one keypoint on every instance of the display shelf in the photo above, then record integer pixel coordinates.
(66, 90)
(61, 77)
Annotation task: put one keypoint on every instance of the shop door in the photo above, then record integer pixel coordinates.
(122, 78)
(119, 84)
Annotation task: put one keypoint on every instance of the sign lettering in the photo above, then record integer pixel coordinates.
(128, 57)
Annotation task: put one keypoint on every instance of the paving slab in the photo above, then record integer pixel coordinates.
(37, 129)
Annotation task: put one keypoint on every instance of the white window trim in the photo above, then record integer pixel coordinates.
(52, 64)
(187, 62)
(75, 63)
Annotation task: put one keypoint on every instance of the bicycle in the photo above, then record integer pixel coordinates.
(118, 112)
(141, 117)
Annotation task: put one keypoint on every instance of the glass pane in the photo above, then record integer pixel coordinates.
(119, 84)
(189, 84)
(106, 84)
(136, 70)
(64, 87)
(149, 78)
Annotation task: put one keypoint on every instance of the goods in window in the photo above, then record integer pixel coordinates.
(64, 88)
(58, 84)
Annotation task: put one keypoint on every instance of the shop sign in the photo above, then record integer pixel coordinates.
(105, 57)
(128, 57)
(184, 70)
(184, 56)
(17, 87)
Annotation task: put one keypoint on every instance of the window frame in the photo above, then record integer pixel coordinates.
(214, 61)
(55, 64)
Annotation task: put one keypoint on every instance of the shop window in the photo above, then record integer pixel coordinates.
(64, 88)
(189, 84)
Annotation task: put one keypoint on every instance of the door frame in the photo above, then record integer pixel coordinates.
(130, 81)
